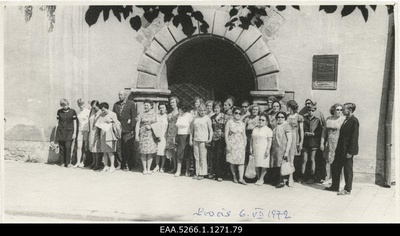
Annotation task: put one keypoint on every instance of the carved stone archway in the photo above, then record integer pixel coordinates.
(152, 80)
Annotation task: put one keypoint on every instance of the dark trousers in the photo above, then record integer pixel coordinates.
(126, 151)
(65, 152)
(218, 157)
(336, 167)
(183, 148)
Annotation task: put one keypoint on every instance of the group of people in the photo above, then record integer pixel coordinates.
(213, 138)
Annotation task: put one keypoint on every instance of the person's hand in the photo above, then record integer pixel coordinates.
(191, 143)
(74, 136)
(312, 134)
(299, 146)
(285, 157)
(348, 156)
(148, 127)
(322, 147)
(108, 121)
(267, 154)
(137, 138)
(133, 133)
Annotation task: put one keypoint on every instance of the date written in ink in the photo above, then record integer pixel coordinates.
(256, 213)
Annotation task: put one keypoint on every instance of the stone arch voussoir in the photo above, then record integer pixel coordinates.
(151, 71)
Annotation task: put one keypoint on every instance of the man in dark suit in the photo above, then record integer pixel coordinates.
(126, 114)
(346, 149)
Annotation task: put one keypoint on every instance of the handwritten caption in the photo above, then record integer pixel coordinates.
(255, 213)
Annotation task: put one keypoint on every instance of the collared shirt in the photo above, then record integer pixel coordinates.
(310, 123)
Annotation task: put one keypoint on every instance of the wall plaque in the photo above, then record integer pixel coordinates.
(325, 68)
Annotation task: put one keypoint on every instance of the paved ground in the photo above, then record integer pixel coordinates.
(48, 193)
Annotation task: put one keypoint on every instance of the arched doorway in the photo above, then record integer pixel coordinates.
(211, 68)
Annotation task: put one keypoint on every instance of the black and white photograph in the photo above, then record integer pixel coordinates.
(199, 112)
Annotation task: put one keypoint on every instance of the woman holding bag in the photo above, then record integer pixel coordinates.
(260, 145)
(281, 143)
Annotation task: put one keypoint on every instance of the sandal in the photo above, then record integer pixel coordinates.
(242, 182)
(281, 185)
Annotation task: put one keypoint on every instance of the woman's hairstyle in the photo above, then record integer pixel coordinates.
(230, 100)
(149, 102)
(80, 102)
(217, 103)
(292, 104)
(209, 102)
(254, 106)
(282, 113)
(308, 100)
(95, 102)
(280, 106)
(272, 98)
(332, 110)
(64, 101)
(202, 107)
(162, 104)
(234, 109)
(105, 105)
(184, 107)
(246, 101)
(174, 98)
(198, 99)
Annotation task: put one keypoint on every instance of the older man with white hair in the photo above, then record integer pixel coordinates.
(126, 114)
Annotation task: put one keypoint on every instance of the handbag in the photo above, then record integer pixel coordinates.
(287, 168)
(251, 168)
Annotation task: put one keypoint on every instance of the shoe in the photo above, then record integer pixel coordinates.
(343, 192)
(187, 174)
(210, 176)
(112, 169)
(92, 166)
(331, 189)
(69, 166)
(75, 166)
(96, 168)
(156, 169)
(118, 168)
(259, 183)
(126, 169)
(219, 180)
(149, 172)
(144, 172)
(281, 185)
(105, 169)
(81, 165)
(242, 182)
(194, 177)
(200, 177)
(177, 175)
(310, 181)
(161, 170)
(235, 181)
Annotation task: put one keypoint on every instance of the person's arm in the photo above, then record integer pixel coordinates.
(75, 126)
(191, 134)
(353, 144)
(269, 144)
(210, 130)
(288, 144)
(244, 134)
(137, 129)
(301, 128)
(132, 117)
(226, 135)
(55, 136)
(251, 145)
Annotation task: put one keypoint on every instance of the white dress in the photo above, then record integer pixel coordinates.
(259, 145)
(163, 121)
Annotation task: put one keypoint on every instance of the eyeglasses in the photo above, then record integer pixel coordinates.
(281, 117)
(339, 109)
(245, 106)
(308, 103)
(237, 113)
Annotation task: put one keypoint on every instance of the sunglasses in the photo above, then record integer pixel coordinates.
(281, 117)
(308, 103)
(237, 113)
(339, 109)
(312, 110)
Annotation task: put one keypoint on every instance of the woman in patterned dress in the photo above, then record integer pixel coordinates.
(162, 119)
(281, 143)
(296, 121)
(170, 148)
(235, 136)
(330, 136)
(145, 137)
(94, 135)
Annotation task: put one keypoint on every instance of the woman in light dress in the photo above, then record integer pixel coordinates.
(108, 139)
(162, 119)
(330, 136)
(235, 136)
(296, 122)
(83, 133)
(94, 135)
(170, 148)
(281, 143)
(250, 121)
(260, 146)
(145, 137)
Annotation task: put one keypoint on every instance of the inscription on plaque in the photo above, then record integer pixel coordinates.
(325, 69)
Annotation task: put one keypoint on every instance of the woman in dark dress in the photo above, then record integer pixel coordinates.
(66, 131)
